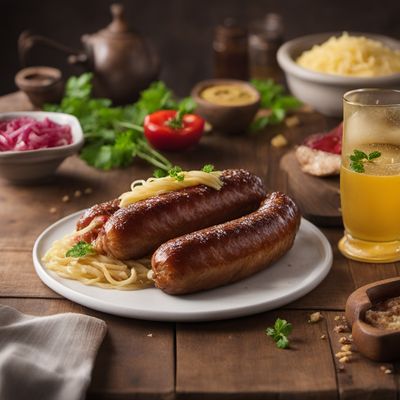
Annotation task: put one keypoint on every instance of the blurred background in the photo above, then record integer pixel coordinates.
(181, 30)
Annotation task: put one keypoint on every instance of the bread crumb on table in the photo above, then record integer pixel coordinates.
(290, 122)
(341, 354)
(345, 340)
(52, 210)
(279, 141)
(341, 328)
(315, 317)
(65, 199)
(385, 370)
(388, 371)
(77, 193)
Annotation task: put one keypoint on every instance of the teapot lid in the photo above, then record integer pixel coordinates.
(118, 26)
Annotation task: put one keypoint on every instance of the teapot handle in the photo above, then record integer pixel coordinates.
(27, 40)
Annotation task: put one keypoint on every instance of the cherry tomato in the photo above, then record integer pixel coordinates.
(166, 130)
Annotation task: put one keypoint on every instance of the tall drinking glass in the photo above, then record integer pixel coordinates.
(370, 175)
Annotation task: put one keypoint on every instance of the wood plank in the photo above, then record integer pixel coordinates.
(17, 101)
(229, 359)
(318, 198)
(364, 273)
(33, 202)
(19, 229)
(130, 364)
(235, 359)
(333, 292)
(361, 378)
(18, 277)
(308, 123)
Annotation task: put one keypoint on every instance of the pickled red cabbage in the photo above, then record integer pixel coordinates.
(26, 133)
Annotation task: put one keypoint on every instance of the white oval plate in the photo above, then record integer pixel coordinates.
(294, 275)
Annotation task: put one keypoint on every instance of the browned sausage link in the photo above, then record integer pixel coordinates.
(137, 230)
(99, 210)
(228, 252)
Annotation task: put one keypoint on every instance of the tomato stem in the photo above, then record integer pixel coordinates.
(177, 121)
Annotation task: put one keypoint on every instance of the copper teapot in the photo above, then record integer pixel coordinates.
(122, 61)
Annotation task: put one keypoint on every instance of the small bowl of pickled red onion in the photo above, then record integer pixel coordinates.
(34, 144)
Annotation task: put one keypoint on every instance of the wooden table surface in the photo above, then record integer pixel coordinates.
(215, 360)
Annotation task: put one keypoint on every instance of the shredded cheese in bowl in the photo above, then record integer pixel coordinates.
(355, 56)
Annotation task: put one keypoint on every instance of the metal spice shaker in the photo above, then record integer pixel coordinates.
(230, 48)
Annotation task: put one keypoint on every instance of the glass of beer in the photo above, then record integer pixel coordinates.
(370, 175)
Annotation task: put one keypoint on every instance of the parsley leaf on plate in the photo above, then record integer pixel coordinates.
(80, 249)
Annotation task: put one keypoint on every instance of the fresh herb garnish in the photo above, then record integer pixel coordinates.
(114, 135)
(185, 106)
(176, 173)
(374, 154)
(359, 158)
(160, 173)
(273, 98)
(80, 249)
(177, 121)
(208, 168)
(280, 332)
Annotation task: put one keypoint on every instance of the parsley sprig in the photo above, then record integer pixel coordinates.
(114, 135)
(359, 158)
(208, 168)
(80, 249)
(174, 172)
(177, 173)
(273, 97)
(280, 332)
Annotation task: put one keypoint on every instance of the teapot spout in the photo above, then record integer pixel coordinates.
(28, 40)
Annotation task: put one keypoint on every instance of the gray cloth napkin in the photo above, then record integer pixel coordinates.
(47, 357)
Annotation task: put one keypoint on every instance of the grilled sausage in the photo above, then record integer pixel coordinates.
(98, 210)
(137, 230)
(227, 252)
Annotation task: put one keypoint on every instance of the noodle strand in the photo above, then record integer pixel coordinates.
(97, 269)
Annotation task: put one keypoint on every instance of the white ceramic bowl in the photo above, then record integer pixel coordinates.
(324, 92)
(33, 165)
